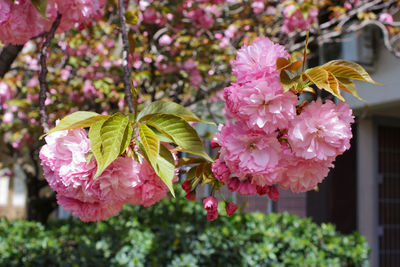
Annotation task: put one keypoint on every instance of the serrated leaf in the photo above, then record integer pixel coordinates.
(334, 86)
(163, 166)
(166, 168)
(89, 157)
(167, 107)
(286, 82)
(189, 160)
(95, 140)
(191, 173)
(79, 119)
(41, 6)
(160, 135)
(126, 140)
(324, 80)
(350, 70)
(285, 64)
(112, 137)
(150, 142)
(180, 132)
(349, 87)
(208, 176)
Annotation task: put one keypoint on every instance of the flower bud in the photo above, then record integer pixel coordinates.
(273, 193)
(230, 208)
(210, 203)
(186, 186)
(212, 215)
(262, 190)
(214, 143)
(191, 196)
(233, 184)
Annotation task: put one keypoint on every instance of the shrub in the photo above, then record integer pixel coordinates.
(175, 232)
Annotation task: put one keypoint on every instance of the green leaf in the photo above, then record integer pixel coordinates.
(180, 132)
(112, 135)
(324, 80)
(41, 6)
(346, 69)
(166, 107)
(287, 82)
(349, 87)
(79, 119)
(165, 167)
(285, 64)
(126, 140)
(95, 140)
(208, 175)
(150, 142)
(160, 135)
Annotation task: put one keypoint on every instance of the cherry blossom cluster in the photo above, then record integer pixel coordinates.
(20, 21)
(268, 139)
(295, 19)
(68, 171)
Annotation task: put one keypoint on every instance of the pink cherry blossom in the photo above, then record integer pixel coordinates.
(301, 175)
(249, 152)
(296, 20)
(386, 18)
(258, 59)
(261, 103)
(247, 188)
(5, 93)
(165, 39)
(220, 170)
(89, 212)
(151, 190)
(321, 131)
(66, 170)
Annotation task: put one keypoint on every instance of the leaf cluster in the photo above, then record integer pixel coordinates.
(140, 135)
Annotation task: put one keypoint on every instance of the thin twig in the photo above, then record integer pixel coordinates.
(125, 57)
(44, 87)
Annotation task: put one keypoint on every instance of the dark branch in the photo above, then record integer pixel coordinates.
(7, 57)
(43, 73)
(125, 57)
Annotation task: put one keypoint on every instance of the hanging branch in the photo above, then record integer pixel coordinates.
(125, 57)
(44, 87)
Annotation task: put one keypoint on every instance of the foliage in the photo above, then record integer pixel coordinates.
(158, 236)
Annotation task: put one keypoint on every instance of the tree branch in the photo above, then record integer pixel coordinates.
(43, 73)
(7, 57)
(125, 57)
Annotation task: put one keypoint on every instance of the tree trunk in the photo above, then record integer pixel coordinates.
(7, 57)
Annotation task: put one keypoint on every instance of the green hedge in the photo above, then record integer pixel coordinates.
(176, 233)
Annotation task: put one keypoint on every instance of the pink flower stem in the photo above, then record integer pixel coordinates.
(125, 58)
(44, 87)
